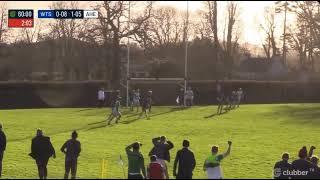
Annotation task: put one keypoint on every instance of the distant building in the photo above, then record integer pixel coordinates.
(261, 68)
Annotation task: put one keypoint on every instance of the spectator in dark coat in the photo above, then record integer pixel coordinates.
(303, 165)
(41, 151)
(161, 150)
(187, 163)
(282, 166)
(72, 149)
(3, 144)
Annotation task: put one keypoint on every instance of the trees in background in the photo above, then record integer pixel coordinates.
(230, 38)
(269, 45)
(3, 21)
(305, 35)
(113, 27)
(160, 32)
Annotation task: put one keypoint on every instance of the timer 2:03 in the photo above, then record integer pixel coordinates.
(26, 23)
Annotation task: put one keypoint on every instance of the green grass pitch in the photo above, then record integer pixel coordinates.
(260, 133)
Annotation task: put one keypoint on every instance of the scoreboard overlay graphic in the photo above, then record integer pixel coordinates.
(24, 18)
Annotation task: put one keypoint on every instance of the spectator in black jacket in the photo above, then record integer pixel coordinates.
(3, 144)
(282, 166)
(187, 163)
(41, 151)
(161, 150)
(72, 149)
(303, 165)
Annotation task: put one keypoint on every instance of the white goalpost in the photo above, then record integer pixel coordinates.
(159, 79)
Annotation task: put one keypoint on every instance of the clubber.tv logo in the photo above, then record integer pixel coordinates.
(277, 172)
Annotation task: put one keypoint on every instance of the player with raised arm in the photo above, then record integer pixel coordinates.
(212, 163)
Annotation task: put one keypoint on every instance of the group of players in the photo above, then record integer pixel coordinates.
(225, 102)
(230, 102)
(135, 102)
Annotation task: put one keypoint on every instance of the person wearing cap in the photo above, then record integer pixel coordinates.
(115, 111)
(212, 163)
(71, 148)
(155, 170)
(161, 150)
(302, 164)
(187, 162)
(135, 162)
(282, 166)
(3, 144)
(41, 151)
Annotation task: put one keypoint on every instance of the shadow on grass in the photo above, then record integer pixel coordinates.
(104, 112)
(216, 114)
(299, 114)
(88, 109)
(49, 134)
(135, 119)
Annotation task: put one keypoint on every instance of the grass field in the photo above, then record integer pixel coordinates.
(260, 133)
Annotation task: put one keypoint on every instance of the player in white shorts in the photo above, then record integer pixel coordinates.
(115, 111)
(135, 100)
(212, 163)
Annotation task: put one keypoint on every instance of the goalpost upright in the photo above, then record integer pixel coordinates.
(128, 54)
(186, 54)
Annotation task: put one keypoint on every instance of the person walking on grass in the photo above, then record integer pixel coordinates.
(186, 161)
(220, 100)
(149, 100)
(135, 99)
(3, 145)
(41, 151)
(161, 150)
(71, 149)
(136, 168)
(155, 170)
(282, 166)
(146, 105)
(212, 163)
(115, 111)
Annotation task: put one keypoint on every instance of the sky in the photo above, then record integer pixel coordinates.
(251, 14)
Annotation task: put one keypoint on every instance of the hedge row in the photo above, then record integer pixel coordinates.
(84, 94)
